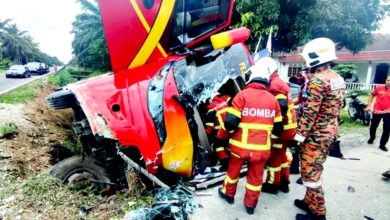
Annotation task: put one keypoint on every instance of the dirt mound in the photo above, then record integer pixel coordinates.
(38, 129)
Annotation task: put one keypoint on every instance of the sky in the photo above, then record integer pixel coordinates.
(49, 23)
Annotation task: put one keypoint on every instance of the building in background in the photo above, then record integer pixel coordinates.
(372, 63)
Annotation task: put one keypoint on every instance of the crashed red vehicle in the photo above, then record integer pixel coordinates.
(167, 57)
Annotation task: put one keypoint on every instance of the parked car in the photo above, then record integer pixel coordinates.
(17, 71)
(151, 110)
(36, 67)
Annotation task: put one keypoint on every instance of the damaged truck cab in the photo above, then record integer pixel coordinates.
(168, 57)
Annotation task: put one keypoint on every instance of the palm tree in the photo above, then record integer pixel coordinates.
(89, 44)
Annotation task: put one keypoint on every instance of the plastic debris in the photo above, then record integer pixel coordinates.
(176, 203)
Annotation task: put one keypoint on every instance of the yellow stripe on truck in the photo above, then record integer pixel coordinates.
(155, 33)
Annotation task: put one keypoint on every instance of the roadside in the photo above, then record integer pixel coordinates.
(353, 188)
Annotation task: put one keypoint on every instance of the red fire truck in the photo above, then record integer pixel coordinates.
(167, 57)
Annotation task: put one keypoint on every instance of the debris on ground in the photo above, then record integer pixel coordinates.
(176, 203)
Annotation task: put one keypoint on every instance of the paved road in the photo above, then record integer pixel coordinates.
(9, 84)
(368, 194)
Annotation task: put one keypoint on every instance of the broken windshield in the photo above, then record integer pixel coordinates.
(197, 78)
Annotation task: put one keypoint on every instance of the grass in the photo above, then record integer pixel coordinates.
(349, 124)
(7, 129)
(22, 94)
(48, 196)
(2, 71)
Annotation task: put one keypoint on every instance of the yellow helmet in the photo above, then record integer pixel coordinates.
(319, 51)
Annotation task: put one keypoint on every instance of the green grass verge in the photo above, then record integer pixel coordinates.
(2, 71)
(22, 94)
(47, 195)
(7, 129)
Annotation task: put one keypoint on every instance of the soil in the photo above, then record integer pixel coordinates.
(39, 129)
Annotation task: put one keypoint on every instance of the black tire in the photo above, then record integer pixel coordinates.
(61, 99)
(77, 169)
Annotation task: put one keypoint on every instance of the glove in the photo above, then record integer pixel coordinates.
(299, 138)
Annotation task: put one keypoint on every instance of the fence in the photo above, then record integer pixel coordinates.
(361, 86)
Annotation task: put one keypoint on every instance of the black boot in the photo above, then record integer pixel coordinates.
(228, 199)
(284, 187)
(335, 151)
(250, 210)
(386, 174)
(302, 205)
(299, 181)
(382, 147)
(310, 216)
(269, 188)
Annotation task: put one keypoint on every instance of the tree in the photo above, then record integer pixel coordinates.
(347, 22)
(19, 47)
(89, 44)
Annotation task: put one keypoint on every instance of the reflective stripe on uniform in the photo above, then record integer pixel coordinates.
(252, 187)
(277, 146)
(250, 146)
(290, 126)
(210, 124)
(236, 155)
(313, 185)
(228, 180)
(285, 165)
(272, 171)
(274, 136)
(281, 96)
(289, 116)
(278, 119)
(253, 126)
(219, 149)
(234, 112)
(219, 117)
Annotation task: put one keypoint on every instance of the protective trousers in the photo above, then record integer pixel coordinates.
(220, 147)
(254, 177)
(313, 155)
(278, 169)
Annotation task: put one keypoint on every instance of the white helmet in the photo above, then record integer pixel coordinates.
(319, 51)
(263, 68)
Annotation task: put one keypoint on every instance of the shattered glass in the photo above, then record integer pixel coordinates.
(176, 203)
(198, 79)
(156, 101)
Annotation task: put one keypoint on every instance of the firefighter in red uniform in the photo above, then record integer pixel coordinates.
(278, 175)
(318, 126)
(215, 117)
(254, 115)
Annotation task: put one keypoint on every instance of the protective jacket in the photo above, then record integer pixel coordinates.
(254, 115)
(216, 113)
(215, 118)
(281, 91)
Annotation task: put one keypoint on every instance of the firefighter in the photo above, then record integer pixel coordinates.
(318, 127)
(216, 114)
(278, 167)
(254, 115)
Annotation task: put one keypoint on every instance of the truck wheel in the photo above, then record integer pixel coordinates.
(76, 169)
(61, 99)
